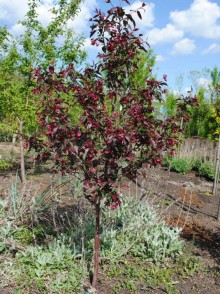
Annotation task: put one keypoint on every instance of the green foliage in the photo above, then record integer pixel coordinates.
(207, 170)
(215, 84)
(26, 236)
(196, 164)
(181, 165)
(55, 269)
(215, 118)
(170, 105)
(4, 165)
(205, 118)
(201, 123)
(145, 61)
(135, 229)
(185, 165)
(36, 46)
(135, 274)
(6, 233)
(23, 235)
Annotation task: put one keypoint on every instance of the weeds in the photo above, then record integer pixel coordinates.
(56, 269)
(136, 273)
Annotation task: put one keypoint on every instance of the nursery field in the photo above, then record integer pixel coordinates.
(47, 227)
(95, 194)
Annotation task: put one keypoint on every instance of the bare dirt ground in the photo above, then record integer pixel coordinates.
(185, 201)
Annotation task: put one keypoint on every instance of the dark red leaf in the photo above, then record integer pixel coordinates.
(139, 14)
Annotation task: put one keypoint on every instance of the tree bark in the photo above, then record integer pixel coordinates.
(97, 244)
(22, 163)
(216, 170)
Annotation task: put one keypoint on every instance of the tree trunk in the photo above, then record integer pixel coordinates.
(22, 163)
(215, 185)
(97, 244)
(216, 180)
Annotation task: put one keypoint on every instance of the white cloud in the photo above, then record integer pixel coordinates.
(200, 20)
(11, 12)
(147, 14)
(160, 58)
(44, 12)
(80, 23)
(16, 30)
(213, 48)
(183, 47)
(202, 82)
(168, 34)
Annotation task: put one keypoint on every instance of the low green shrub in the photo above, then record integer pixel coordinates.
(55, 269)
(196, 164)
(5, 165)
(23, 235)
(181, 165)
(207, 170)
(135, 229)
(184, 165)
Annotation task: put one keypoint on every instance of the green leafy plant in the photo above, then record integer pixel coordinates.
(134, 228)
(196, 163)
(23, 235)
(53, 269)
(136, 274)
(181, 165)
(6, 233)
(4, 165)
(207, 170)
(160, 276)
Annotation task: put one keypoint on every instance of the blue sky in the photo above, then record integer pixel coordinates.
(184, 34)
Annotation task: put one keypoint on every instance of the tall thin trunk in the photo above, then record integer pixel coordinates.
(21, 143)
(216, 180)
(216, 170)
(218, 216)
(97, 244)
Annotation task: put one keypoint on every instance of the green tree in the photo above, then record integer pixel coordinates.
(145, 62)
(38, 45)
(215, 84)
(201, 123)
(170, 104)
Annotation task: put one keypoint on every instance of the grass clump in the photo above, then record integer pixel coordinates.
(181, 165)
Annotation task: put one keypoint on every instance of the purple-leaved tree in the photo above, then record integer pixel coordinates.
(117, 130)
